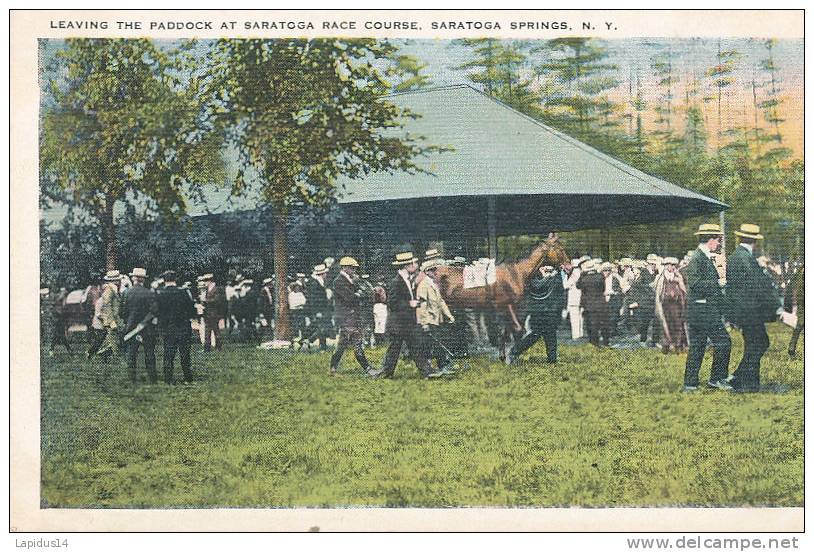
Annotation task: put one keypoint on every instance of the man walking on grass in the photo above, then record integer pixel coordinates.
(348, 297)
(705, 311)
(753, 301)
(138, 310)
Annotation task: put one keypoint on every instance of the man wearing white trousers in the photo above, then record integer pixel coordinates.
(574, 297)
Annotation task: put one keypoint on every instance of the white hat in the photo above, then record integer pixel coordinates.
(431, 264)
(247, 282)
(320, 269)
(652, 258)
(113, 276)
(670, 261)
(266, 280)
(139, 272)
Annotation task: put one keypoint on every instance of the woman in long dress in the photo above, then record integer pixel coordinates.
(671, 307)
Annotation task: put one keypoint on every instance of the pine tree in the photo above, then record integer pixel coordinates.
(581, 77)
(406, 73)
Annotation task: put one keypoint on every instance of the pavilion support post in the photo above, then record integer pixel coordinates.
(492, 227)
(722, 218)
(606, 244)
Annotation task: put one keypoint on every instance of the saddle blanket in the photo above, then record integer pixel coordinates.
(480, 273)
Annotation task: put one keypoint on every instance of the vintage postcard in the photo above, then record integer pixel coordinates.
(407, 270)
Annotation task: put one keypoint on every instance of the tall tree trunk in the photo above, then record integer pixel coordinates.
(282, 329)
(109, 233)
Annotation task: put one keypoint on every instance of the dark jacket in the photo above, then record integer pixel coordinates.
(175, 309)
(750, 293)
(215, 303)
(705, 298)
(546, 297)
(316, 298)
(401, 316)
(250, 305)
(348, 300)
(593, 291)
(137, 303)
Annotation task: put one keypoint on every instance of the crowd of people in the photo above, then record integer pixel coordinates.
(677, 305)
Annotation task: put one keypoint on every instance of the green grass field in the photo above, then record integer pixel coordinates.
(271, 429)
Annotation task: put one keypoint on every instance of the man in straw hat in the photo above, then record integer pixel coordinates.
(433, 312)
(402, 324)
(139, 310)
(318, 306)
(575, 296)
(705, 310)
(753, 301)
(349, 303)
(109, 312)
(595, 309)
(215, 312)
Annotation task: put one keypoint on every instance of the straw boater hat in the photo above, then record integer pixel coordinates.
(320, 269)
(581, 262)
(266, 281)
(139, 272)
(606, 266)
(626, 261)
(247, 282)
(709, 230)
(169, 276)
(652, 258)
(431, 264)
(208, 276)
(405, 258)
(589, 265)
(670, 261)
(348, 261)
(751, 231)
(432, 254)
(112, 276)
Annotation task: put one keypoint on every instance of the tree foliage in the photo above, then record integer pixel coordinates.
(126, 121)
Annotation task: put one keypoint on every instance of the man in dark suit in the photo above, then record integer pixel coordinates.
(349, 301)
(214, 312)
(139, 308)
(752, 301)
(175, 310)
(592, 285)
(705, 309)
(318, 305)
(546, 299)
(402, 323)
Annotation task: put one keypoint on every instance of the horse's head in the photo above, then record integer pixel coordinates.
(554, 253)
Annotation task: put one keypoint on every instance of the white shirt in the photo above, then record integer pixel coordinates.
(705, 250)
(406, 277)
(748, 246)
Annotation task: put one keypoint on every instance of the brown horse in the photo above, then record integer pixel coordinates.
(510, 285)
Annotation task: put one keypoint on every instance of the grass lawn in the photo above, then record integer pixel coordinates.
(272, 429)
